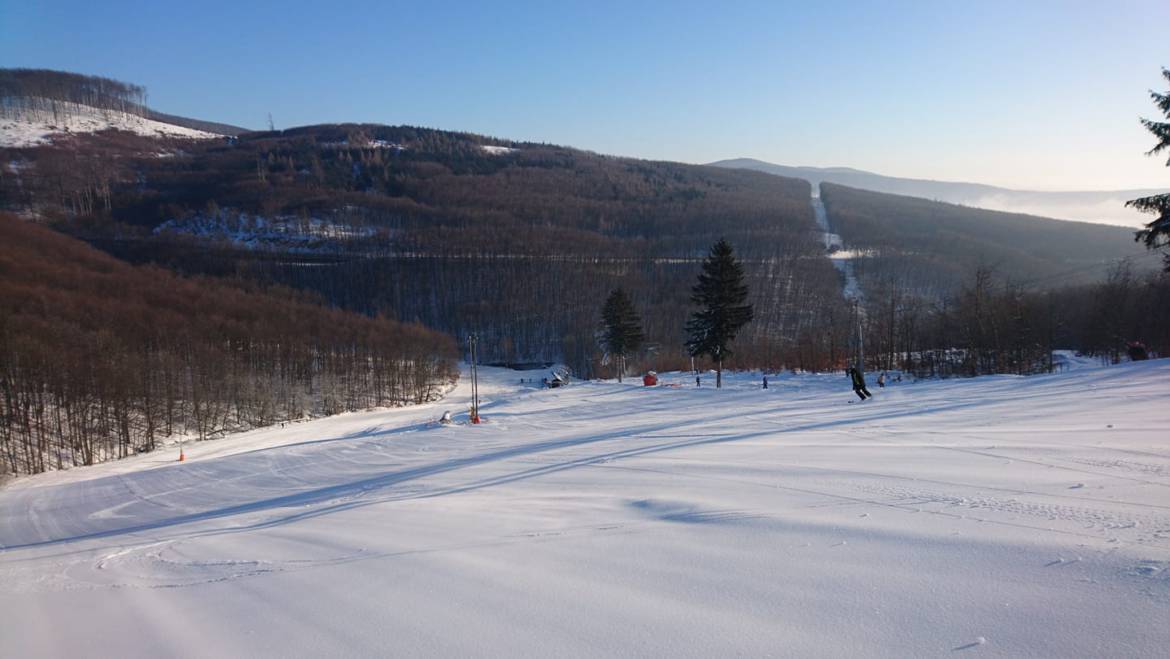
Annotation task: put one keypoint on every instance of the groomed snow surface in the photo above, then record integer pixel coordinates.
(993, 517)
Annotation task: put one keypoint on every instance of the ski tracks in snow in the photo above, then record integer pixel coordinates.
(768, 509)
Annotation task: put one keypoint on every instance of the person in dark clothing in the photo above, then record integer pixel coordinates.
(1137, 351)
(696, 380)
(765, 382)
(858, 383)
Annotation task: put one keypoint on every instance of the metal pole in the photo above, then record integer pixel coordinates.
(471, 343)
(475, 377)
(860, 340)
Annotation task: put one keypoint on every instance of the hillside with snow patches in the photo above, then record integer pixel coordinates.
(998, 516)
(37, 128)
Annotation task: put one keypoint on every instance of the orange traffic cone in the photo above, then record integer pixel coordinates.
(182, 457)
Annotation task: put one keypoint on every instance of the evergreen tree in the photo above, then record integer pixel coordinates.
(623, 334)
(1157, 233)
(722, 294)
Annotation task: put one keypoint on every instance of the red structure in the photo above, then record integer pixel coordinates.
(650, 379)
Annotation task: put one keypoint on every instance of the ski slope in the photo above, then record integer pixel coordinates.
(40, 128)
(842, 259)
(993, 517)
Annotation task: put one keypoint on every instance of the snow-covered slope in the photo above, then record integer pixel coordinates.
(996, 517)
(40, 128)
(842, 259)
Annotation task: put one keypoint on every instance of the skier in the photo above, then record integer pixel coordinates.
(765, 382)
(882, 380)
(858, 383)
(696, 381)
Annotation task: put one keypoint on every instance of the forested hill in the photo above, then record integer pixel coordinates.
(411, 190)
(1103, 206)
(99, 359)
(934, 247)
(519, 242)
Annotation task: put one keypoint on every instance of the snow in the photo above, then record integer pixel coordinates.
(368, 144)
(835, 247)
(1068, 360)
(40, 128)
(997, 516)
(286, 233)
(497, 150)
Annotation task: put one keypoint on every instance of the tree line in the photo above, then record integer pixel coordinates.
(992, 325)
(989, 325)
(100, 359)
(59, 94)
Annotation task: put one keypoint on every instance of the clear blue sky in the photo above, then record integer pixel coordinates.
(1025, 93)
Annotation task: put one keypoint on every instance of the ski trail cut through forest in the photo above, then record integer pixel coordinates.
(835, 248)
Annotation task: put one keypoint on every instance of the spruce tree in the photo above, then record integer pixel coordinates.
(1157, 233)
(722, 295)
(622, 334)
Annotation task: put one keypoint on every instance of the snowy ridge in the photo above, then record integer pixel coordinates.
(32, 129)
(997, 516)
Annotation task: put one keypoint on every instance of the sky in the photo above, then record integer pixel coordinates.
(1031, 95)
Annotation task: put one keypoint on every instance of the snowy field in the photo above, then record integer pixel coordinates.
(995, 517)
(37, 129)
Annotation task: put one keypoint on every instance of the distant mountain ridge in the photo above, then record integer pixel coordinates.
(1101, 206)
(196, 124)
(934, 247)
